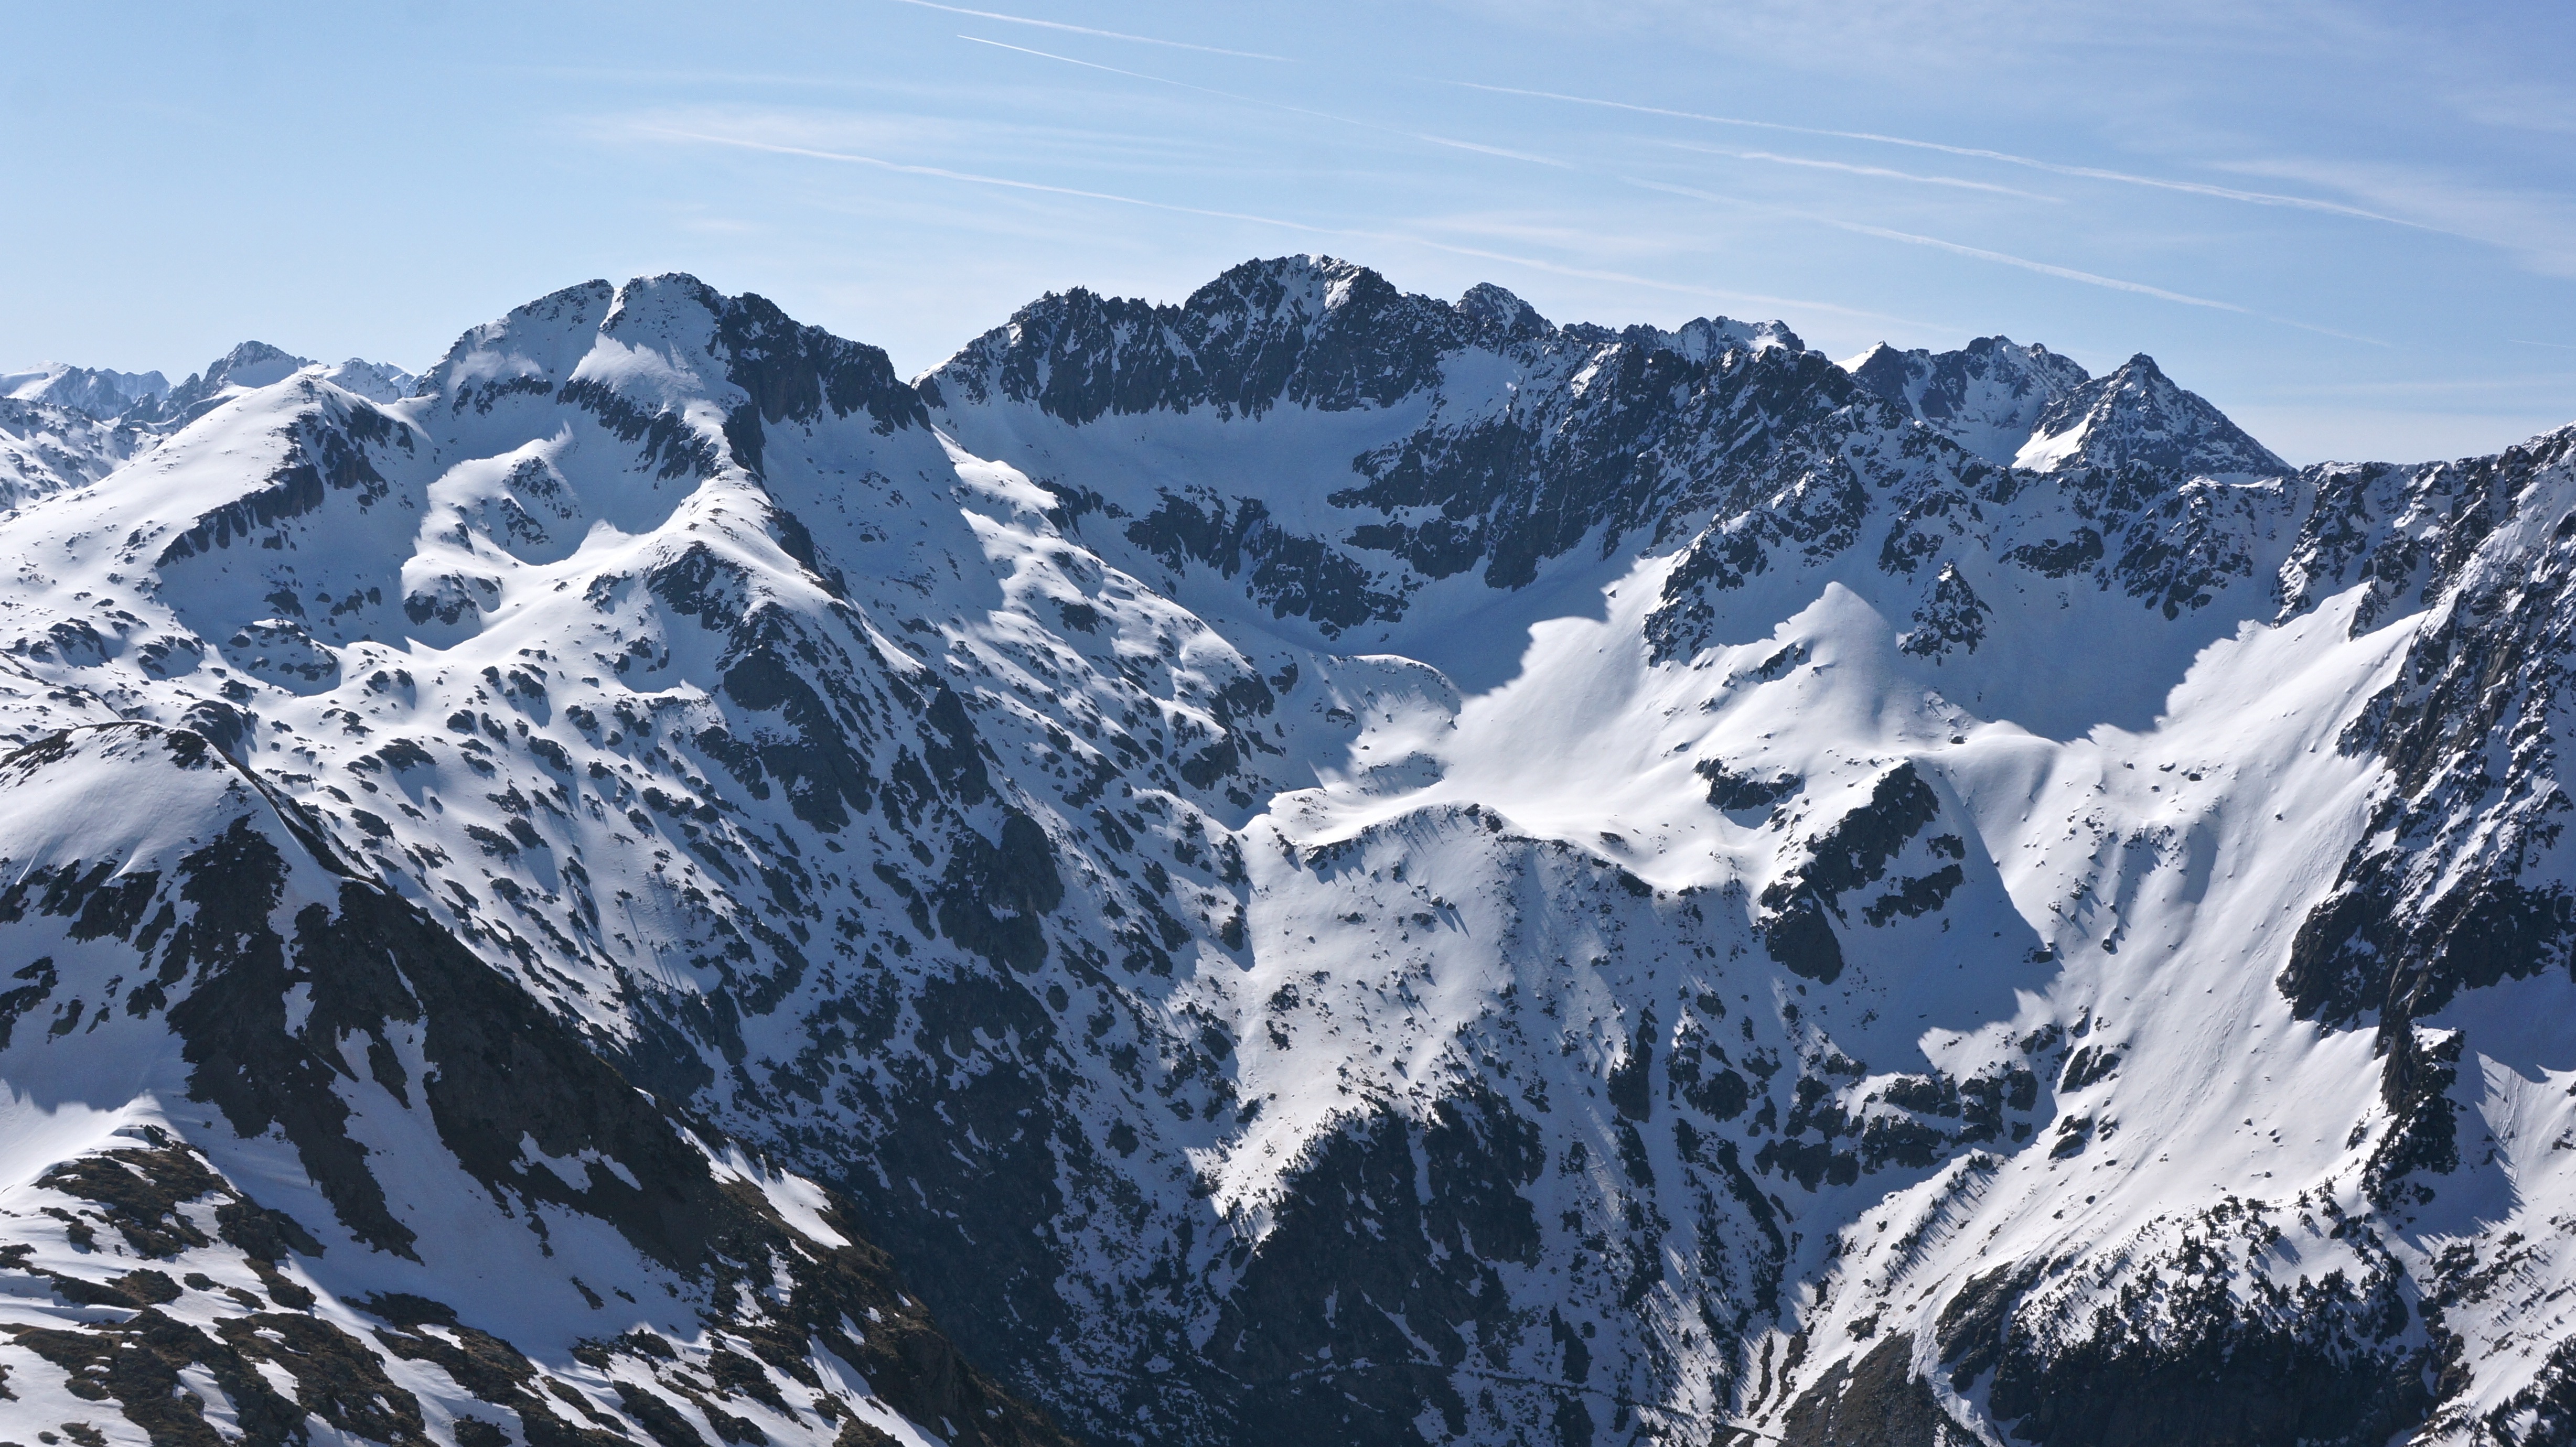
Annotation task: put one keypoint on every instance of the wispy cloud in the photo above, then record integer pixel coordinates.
(630, 75)
(969, 140)
(2521, 342)
(720, 226)
(2538, 227)
(2066, 273)
(1859, 228)
(2414, 386)
(1087, 30)
(852, 158)
(2518, 105)
(1422, 136)
(1849, 168)
(1484, 150)
(2003, 258)
(2095, 173)
(1540, 264)
(1533, 221)
(1624, 278)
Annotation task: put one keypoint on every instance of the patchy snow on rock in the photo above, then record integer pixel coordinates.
(1308, 864)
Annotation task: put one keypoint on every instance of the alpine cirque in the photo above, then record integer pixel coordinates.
(1311, 866)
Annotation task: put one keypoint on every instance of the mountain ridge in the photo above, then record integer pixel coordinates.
(1319, 863)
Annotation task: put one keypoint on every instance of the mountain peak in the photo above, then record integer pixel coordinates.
(2138, 415)
(639, 356)
(375, 381)
(252, 365)
(249, 365)
(255, 364)
(1275, 280)
(1704, 337)
(1308, 330)
(1987, 396)
(1606, 851)
(96, 391)
(1498, 317)
(672, 298)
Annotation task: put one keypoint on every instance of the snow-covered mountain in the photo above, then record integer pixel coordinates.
(46, 448)
(1988, 396)
(1308, 865)
(289, 1159)
(61, 426)
(96, 391)
(148, 399)
(254, 365)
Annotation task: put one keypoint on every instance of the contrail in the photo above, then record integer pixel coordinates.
(2043, 268)
(1863, 170)
(1087, 30)
(852, 158)
(1630, 279)
(1485, 150)
(1272, 104)
(1908, 237)
(2259, 198)
(2066, 273)
(975, 179)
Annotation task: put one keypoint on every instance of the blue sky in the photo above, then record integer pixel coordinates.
(2353, 226)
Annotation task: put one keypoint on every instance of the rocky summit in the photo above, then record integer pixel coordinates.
(1310, 865)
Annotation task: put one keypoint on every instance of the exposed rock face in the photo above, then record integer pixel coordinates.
(2137, 417)
(1331, 336)
(250, 366)
(1515, 442)
(1314, 864)
(45, 447)
(1989, 396)
(350, 1176)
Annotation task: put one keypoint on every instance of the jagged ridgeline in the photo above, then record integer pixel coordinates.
(1310, 865)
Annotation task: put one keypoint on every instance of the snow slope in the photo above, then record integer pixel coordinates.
(46, 448)
(1318, 864)
(62, 426)
(284, 1160)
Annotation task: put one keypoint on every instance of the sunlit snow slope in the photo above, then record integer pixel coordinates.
(1310, 865)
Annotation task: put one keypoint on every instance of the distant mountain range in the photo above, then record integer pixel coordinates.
(1310, 865)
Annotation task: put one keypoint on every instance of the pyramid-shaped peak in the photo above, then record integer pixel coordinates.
(251, 353)
(248, 366)
(253, 364)
(1499, 316)
(1888, 371)
(2137, 415)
